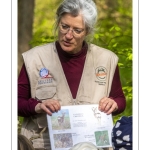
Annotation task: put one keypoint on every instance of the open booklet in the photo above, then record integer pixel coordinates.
(79, 123)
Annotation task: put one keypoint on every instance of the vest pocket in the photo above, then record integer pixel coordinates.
(45, 92)
(42, 120)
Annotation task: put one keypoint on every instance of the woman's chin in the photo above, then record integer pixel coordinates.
(67, 49)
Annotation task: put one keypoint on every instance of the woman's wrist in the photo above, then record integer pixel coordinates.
(38, 108)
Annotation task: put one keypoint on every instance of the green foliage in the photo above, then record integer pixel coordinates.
(44, 18)
(20, 119)
(114, 32)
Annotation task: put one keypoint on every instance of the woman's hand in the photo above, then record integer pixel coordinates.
(48, 106)
(107, 105)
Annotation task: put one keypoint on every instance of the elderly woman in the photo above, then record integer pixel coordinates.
(69, 71)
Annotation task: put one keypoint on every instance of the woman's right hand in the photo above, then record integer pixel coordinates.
(48, 106)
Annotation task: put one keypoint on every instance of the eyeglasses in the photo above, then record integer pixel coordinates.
(65, 28)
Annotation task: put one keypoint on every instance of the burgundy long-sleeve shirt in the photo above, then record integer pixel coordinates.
(73, 66)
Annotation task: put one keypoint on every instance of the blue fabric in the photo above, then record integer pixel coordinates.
(122, 134)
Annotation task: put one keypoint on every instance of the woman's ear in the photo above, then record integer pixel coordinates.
(87, 32)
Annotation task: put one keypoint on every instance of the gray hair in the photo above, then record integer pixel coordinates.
(75, 7)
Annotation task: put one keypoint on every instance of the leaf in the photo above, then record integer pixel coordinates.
(112, 28)
(115, 45)
(96, 36)
(117, 28)
(120, 64)
(129, 56)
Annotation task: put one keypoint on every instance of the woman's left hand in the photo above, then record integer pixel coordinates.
(107, 105)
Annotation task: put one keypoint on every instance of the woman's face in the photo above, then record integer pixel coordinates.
(71, 33)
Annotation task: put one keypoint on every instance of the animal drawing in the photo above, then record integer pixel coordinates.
(60, 119)
(64, 140)
(97, 114)
(103, 139)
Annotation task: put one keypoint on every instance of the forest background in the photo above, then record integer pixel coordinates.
(113, 31)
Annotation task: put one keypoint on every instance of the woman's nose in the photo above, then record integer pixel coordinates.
(69, 34)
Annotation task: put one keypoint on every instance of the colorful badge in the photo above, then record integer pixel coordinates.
(44, 72)
(101, 73)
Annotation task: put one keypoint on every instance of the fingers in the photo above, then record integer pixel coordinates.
(107, 105)
(49, 106)
(112, 108)
(53, 105)
(45, 109)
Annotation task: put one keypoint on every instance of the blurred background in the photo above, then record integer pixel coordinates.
(114, 32)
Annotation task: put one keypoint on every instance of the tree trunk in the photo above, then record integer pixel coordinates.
(25, 22)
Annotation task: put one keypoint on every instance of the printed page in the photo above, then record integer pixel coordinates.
(79, 123)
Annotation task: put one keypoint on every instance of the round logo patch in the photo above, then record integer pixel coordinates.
(101, 73)
(44, 72)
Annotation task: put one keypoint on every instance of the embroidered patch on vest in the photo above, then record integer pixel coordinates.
(101, 74)
(44, 73)
(45, 81)
(46, 78)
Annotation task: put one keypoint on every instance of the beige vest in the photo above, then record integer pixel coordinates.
(95, 83)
